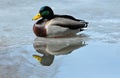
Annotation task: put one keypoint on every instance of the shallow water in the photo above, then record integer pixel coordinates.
(96, 56)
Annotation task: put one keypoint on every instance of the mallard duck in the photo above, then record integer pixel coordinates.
(51, 25)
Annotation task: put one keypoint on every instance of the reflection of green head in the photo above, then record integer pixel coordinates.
(45, 60)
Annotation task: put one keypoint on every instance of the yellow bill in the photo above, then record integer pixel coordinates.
(36, 16)
(37, 57)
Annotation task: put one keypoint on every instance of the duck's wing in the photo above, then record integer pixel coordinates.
(68, 17)
(68, 22)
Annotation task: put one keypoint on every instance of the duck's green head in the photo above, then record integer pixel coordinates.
(45, 12)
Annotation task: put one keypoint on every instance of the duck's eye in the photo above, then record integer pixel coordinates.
(45, 13)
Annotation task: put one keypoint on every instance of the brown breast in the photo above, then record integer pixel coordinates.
(39, 31)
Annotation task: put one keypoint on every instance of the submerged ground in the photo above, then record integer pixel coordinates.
(98, 58)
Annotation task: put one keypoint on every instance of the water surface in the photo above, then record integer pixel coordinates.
(99, 58)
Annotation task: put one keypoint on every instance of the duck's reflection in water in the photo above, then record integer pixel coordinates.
(49, 47)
